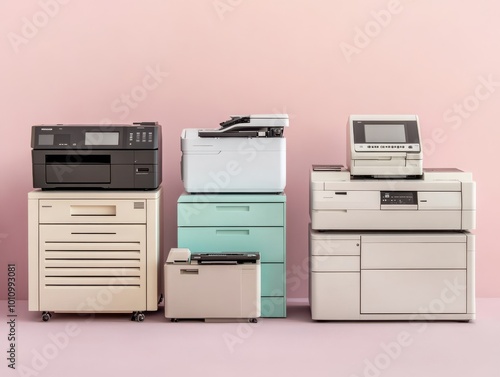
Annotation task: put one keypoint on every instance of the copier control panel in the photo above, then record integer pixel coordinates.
(398, 197)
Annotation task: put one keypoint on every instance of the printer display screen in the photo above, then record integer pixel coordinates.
(102, 138)
(385, 133)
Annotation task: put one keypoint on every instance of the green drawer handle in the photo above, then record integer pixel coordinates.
(232, 232)
(233, 208)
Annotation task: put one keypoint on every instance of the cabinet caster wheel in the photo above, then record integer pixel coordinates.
(253, 320)
(174, 320)
(138, 317)
(46, 316)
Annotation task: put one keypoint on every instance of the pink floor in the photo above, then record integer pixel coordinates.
(71, 345)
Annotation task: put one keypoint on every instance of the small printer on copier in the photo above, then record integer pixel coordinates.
(384, 145)
(246, 154)
(97, 156)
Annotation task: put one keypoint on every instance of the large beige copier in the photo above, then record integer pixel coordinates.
(394, 245)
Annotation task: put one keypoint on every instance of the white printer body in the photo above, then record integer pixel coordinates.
(389, 240)
(384, 145)
(219, 289)
(248, 154)
(440, 199)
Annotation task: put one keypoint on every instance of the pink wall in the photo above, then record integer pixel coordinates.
(221, 57)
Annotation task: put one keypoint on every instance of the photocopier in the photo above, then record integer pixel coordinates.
(212, 286)
(97, 156)
(389, 240)
(246, 154)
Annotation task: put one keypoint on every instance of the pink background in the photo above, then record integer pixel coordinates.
(261, 56)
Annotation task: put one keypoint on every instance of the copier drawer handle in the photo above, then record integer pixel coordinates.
(189, 271)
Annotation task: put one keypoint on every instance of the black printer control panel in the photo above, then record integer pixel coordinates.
(105, 136)
(398, 197)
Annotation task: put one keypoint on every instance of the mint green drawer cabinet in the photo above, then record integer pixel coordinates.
(272, 279)
(234, 214)
(239, 223)
(273, 307)
(268, 241)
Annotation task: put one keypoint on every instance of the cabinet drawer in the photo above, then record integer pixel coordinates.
(273, 307)
(328, 263)
(413, 291)
(268, 241)
(335, 247)
(92, 211)
(334, 295)
(394, 255)
(230, 214)
(272, 279)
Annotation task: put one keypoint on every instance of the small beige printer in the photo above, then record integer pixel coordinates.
(212, 286)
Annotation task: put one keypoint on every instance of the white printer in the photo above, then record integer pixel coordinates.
(212, 286)
(389, 240)
(384, 145)
(247, 154)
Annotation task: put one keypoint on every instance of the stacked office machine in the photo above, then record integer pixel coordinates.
(234, 179)
(94, 227)
(389, 240)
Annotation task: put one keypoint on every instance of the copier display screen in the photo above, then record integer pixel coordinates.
(102, 138)
(385, 133)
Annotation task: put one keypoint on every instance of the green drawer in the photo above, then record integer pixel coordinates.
(272, 276)
(230, 214)
(268, 241)
(273, 307)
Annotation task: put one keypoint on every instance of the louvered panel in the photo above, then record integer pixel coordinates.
(92, 263)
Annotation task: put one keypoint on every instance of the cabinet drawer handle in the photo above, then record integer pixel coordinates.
(82, 210)
(233, 208)
(189, 271)
(232, 232)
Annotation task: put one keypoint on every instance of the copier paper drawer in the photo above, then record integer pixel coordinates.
(92, 211)
(230, 214)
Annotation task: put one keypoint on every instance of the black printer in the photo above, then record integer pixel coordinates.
(97, 156)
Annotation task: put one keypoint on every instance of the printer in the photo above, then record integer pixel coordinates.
(388, 239)
(384, 145)
(247, 154)
(212, 286)
(97, 156)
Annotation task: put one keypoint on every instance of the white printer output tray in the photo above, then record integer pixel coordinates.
(212, 286)
(247, 154)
